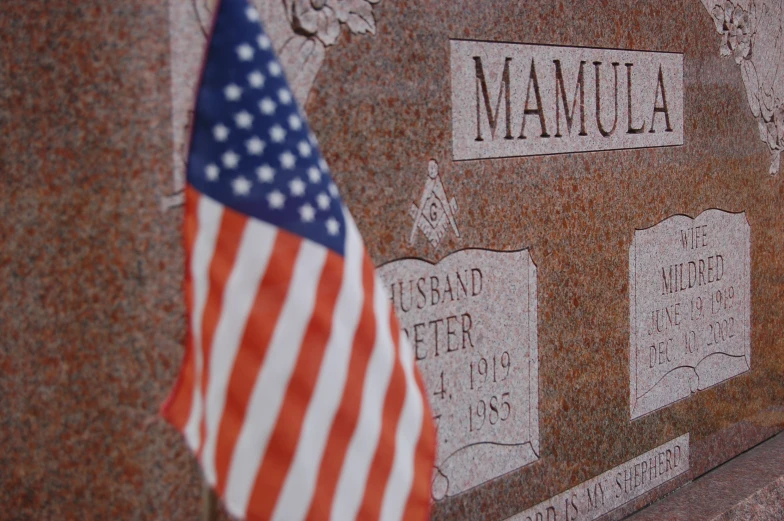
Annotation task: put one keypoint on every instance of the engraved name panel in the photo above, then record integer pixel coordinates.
(519, 100)
(689, 306)
(471, 321)
(614, 488)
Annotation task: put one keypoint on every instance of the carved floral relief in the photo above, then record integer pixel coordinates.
(752, 33)
(300, 30)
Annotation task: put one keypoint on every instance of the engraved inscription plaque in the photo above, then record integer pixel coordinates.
(471, 321)
(520, 100)
(689, 306)
(616, 487)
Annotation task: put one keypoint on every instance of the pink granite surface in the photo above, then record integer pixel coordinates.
(748, 488)
(381, 107)
(91, 320)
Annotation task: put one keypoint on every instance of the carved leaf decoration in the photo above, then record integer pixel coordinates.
(301, 58)
(328, 26)
(728, 9)
(766, 103)
(772, 141)
(778, 117)
(750, 80)
(725, 50)
(303, 17)
(718, 19)
(775, 162)
(753, 33)
(278, 20)
(360, 17)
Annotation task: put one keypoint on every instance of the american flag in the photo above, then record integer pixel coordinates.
(298, 393)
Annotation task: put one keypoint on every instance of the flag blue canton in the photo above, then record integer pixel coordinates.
(251, 148)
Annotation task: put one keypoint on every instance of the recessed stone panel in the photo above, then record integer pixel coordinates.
(689, 301)
(616, 487)
(471, 322)
(511, 99)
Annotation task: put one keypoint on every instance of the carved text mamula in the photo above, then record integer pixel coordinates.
(520, 100)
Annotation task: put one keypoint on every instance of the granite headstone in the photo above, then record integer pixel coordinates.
(570, 204)
(575, 207)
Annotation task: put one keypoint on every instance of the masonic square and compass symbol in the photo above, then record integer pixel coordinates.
(435, 211)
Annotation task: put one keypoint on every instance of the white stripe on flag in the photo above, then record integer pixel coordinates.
(209, 214)
(269, 389)
(362, 449)
(299, 486)
(409, 427)
(243, 283)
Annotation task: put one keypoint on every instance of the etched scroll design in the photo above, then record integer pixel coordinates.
(300, 30)
(689, 307)
(482, 383)
(753, 34)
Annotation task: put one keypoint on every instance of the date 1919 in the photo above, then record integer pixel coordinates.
(496, 367)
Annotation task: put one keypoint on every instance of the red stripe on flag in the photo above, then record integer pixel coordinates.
(177, 408)
(348, 414)
(385, 451)
(255, 342)
(418, 503)
(288, 426)
(230, 235)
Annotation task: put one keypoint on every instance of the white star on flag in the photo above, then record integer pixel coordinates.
(276, 199)
(241, 186)
(277, 134)
(323, 200)
(245, 52)
(243, 119)
(333, 226)
(232, 92)
(255, 146)
(263, 41)
(256, 79)
(212, 172)
(265, 173)
(304, 149)
(307, 212)
(221, 132)
(297, 186)
(267, 106)
(299, 393)
(230, 159)
(287, 160)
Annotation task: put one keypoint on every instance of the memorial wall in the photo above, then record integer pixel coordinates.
(575, 206)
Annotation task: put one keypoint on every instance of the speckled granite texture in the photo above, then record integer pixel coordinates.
(381, 107)
(91, 319)
(748, 488)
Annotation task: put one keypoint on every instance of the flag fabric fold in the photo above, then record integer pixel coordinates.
(298, 393)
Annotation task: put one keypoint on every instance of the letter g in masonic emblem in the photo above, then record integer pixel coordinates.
(434, 211)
